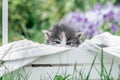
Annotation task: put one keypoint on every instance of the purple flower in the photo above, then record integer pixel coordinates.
(91, 21)
(97, 6)
(91, 32)
(90, 27)
(114, 28)
(109, 15)
(85, 20)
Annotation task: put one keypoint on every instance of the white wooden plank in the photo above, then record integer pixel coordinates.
(4, 22)
(81, 56)
(43, 72)
(76, 55)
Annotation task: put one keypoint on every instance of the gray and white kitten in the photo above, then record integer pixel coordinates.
(63, 35)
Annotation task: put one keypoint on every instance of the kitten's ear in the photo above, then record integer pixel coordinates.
(48, 33)
(79, 34)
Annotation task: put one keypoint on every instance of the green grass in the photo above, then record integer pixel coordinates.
(79, 74)
(20, 74)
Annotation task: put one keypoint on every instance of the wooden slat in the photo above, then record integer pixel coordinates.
(64, 65)
(77, 55)
(38, 72)
(4, 22)
(58, 62)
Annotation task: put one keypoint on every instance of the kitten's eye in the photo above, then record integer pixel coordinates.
(68, 43)
(57, 42)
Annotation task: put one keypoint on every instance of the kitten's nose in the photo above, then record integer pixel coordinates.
(63, 44)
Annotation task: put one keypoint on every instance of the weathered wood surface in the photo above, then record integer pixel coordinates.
(52, 63)
(44, 59)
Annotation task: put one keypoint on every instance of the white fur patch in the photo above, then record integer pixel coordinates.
(63, 39)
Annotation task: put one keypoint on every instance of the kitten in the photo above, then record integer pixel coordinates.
(63, 35)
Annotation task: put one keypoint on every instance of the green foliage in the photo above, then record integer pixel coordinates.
(79, 74)
(104, 73)
(58, 77)
(20, 74)
(27, 18)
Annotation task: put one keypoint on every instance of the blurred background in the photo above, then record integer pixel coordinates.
(27, 18)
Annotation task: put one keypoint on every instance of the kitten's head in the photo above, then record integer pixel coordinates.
(62, 35)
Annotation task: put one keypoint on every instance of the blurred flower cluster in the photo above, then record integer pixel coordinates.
(96, 20)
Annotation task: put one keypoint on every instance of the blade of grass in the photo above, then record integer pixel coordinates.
(111, 66)
(102, 64)
(81, 74)
(49, 76)
(73, 75)
(87, 78)
(65, 78)
(97, 70)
